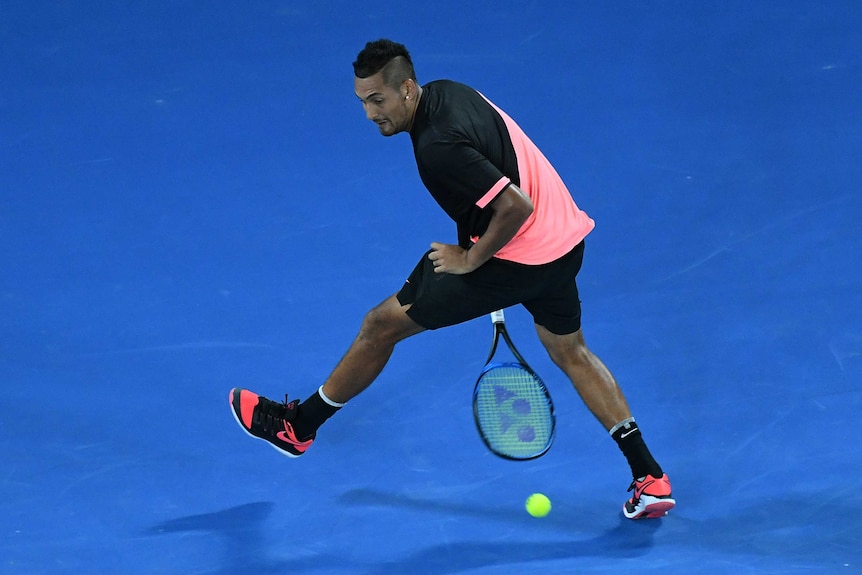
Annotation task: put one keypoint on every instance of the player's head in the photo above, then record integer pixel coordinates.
(388, 57)
(385, 82)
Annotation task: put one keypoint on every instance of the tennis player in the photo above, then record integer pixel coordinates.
(520, 240)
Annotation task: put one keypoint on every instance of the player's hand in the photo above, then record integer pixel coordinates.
(449, 259)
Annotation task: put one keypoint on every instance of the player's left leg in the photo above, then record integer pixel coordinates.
(383, 327)
(291, 427)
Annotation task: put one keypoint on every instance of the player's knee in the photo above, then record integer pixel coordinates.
(579, 355)
(568, 350)
(380, 326)
(373, 325)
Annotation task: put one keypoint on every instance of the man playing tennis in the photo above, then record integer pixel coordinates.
(520, 241)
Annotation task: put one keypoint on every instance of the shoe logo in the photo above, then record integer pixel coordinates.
(288, 437)
(641, 487)
(662, 490)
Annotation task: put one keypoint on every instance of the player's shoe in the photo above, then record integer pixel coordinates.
(269, 420)
(652, 498)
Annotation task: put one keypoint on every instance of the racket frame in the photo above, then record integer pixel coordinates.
(499, 321)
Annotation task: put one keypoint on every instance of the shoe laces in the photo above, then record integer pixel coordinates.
(274, 413)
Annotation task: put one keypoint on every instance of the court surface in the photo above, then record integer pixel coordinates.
(192, 199)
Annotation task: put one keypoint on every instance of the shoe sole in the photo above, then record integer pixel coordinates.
(250, 434)
(654, 508)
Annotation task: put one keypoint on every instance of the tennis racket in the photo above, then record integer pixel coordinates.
(512, 407)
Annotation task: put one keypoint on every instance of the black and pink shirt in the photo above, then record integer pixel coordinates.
(468, 151)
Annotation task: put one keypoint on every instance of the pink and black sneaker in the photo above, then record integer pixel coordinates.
(269, 420)
(652, 498)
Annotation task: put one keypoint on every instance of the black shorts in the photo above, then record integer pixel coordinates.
(548, 291)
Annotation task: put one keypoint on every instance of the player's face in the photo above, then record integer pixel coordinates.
(384, 105)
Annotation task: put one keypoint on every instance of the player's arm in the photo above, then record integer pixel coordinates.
(509, 210)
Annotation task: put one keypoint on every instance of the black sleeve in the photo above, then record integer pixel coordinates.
(458, 176)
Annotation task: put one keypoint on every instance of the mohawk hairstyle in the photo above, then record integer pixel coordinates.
(390, 57)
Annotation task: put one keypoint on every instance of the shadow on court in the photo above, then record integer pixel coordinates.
(241, 531)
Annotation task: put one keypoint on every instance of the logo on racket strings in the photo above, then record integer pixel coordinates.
(515, 414)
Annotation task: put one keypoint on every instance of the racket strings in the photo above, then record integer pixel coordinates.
(514, 411)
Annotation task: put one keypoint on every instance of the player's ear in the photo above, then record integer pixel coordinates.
(408, 89)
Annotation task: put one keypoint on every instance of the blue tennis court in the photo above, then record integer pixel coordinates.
(191, 199)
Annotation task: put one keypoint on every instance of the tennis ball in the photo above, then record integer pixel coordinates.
(538, 505)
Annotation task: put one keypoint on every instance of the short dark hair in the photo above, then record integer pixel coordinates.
(390, 57)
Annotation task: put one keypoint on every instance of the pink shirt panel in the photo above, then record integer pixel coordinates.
(556, 225)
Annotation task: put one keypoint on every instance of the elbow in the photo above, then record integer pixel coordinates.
(529, 208)
(525, 208)
(520, 202)
(514, 204)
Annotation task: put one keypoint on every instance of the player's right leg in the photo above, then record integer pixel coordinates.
(652, 498)
(592, 380)
(598, 389)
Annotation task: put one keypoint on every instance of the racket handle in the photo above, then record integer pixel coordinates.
(497, 316)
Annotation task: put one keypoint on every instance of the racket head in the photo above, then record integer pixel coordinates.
(513, 411)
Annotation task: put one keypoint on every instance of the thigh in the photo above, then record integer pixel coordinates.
(558, 306)
(438, 300)
(548, 291)
(558, 312)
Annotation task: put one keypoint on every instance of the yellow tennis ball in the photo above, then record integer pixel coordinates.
(538, 505)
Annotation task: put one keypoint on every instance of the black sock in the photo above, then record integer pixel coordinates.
(311, 414)
(631, 443)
